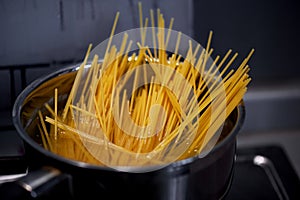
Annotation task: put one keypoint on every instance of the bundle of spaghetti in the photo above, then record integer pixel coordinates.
(132, 123)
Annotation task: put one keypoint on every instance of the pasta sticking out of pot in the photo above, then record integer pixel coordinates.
(146, 102)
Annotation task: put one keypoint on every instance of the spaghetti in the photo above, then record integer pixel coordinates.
(136, 124)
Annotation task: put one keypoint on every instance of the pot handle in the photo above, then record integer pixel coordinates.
(41, 183)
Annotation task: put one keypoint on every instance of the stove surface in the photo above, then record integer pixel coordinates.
(264, 173)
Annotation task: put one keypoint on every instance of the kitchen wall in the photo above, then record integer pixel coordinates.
(272, 27)
(42, 31)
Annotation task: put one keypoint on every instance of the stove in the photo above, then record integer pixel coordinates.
(259, 173)
(264, 173)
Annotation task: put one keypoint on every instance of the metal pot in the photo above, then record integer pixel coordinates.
(193, 178)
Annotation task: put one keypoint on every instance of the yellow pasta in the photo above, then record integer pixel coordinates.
(134, 124)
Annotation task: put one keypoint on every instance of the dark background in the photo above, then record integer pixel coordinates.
(271, 27)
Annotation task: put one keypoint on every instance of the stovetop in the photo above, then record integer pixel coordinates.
(264, 173)
(260, 172)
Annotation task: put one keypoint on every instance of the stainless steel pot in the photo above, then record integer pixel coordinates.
(193, 178)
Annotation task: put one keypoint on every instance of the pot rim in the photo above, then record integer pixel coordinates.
(16, 113)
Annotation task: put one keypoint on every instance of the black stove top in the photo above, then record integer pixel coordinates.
(260, 172)
(264, 173)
